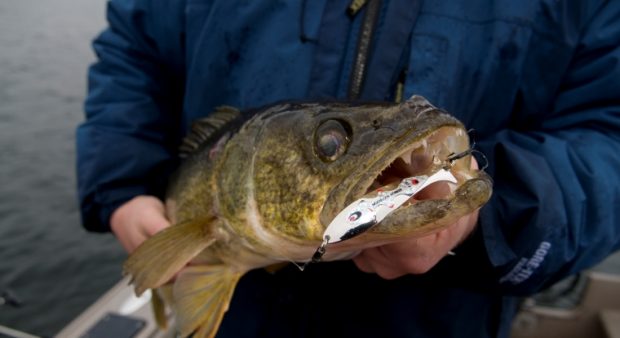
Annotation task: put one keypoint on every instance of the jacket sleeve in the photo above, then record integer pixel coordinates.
(126, 145)
(555, 208)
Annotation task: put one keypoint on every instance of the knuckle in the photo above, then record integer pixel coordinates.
(419, 267)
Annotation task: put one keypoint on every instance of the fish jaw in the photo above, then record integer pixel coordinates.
(420, 218)
(411, 155)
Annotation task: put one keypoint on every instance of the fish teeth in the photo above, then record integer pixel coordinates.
(406, 157)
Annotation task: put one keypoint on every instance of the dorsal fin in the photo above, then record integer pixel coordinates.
(206, 129)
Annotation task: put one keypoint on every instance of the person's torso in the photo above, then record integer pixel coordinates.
(493, 64)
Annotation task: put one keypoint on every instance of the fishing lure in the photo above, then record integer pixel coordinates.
(366, 212)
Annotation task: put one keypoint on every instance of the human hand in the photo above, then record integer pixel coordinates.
(417, 255)
(138, 219)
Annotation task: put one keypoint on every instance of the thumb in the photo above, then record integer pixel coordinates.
(156, 219)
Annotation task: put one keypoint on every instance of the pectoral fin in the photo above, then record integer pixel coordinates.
(159, 258)
(202, 295)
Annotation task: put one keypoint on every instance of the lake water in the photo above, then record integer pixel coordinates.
(46, 259)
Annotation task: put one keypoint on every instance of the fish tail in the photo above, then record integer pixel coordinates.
(202, 295)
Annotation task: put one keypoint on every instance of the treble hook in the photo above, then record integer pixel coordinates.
(453, 157)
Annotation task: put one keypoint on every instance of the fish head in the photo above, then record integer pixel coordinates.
(311, 160)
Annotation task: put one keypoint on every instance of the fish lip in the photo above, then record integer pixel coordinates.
(405, 146)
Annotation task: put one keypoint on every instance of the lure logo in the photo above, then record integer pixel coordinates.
(526, 267)
(355, 216)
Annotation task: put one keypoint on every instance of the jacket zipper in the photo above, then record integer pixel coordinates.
(400, 86)
(355, 6)
(362, 54)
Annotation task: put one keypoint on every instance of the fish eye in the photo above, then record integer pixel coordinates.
(331, 140)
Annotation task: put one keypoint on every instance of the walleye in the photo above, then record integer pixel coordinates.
(255, 193)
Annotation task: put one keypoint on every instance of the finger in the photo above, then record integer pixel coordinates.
(155, 222)
(381, 264)
(131, 238)
(362, 263)
(415, 257)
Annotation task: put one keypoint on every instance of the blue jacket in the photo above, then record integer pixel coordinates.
(537, 81)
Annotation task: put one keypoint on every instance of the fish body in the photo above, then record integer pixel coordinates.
(255, 193)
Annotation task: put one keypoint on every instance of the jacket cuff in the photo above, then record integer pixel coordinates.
(97, 209)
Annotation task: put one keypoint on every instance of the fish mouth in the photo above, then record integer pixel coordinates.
(423, 156)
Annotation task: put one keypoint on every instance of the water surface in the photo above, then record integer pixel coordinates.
(46, 258)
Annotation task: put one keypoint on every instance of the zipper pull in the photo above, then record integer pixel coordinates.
(355, 6)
